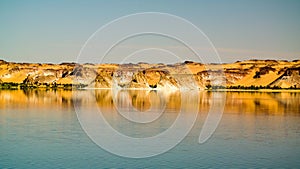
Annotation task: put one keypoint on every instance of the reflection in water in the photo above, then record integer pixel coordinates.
(39, 128)
(279, 103)
(153, 111)
(143, 106)
(149, 128)
(35, 98)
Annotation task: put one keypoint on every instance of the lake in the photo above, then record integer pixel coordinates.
(40, 129)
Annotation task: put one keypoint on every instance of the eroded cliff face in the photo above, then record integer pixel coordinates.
(188, 75)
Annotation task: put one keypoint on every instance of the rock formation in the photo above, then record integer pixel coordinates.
(190, 75)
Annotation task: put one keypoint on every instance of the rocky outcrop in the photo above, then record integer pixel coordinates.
(187, 75)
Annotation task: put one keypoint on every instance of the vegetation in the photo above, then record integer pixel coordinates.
(11, 85)
(252, 87)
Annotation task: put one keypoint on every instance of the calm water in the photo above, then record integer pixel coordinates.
(40, 129)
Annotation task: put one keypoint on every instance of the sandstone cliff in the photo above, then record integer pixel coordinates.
(245, 74)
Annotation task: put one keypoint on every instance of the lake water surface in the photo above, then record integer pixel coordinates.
(40, 129)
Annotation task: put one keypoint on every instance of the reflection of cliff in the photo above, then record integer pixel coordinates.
(143, 100)
(263, 102)
(259, 73)
(35, 98)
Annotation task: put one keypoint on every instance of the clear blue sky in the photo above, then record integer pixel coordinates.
(54, 31)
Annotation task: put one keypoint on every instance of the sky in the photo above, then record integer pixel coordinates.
(55, 31)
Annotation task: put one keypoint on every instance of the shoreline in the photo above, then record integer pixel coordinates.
(70, 87)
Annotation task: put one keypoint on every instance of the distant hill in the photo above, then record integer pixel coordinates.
(249, 74)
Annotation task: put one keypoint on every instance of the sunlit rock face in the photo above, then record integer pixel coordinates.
(187, 75)
(153, 77)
